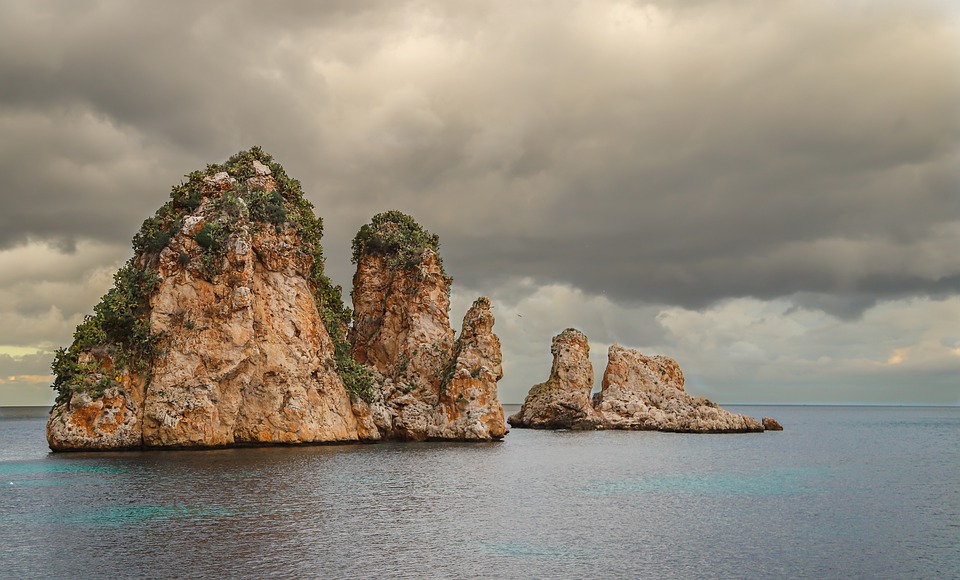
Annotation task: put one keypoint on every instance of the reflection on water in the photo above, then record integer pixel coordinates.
(861, 493)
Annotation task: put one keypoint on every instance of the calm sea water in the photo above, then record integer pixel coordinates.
(851, 492)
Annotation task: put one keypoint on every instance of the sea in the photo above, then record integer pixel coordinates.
(842, 492)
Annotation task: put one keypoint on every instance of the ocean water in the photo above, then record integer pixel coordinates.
(843, 492)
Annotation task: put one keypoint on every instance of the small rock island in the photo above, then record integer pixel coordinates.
(223, 330)
(643, 393)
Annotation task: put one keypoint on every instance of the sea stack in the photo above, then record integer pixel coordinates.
(211, 335)
(638, 392)
(223, 330)
(429, 385)
(563, 401)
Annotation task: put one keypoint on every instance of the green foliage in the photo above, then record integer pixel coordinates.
(267, 207)
(119, 327)
(399, 237)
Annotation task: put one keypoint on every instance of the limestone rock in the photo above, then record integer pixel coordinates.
(563, 401)
(469, 405)
(646, 393)
(212, 335)
(638, 393)
(430, 386)
(771, 424)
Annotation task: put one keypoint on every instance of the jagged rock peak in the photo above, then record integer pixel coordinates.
(563, 401)
(221, 330)
(402, 333)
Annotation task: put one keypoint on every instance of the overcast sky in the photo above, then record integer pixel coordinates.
(767, 191)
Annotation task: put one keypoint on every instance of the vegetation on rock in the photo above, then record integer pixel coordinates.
(120, 324)
(400, 238)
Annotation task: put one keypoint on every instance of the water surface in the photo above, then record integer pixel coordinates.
(857, 492)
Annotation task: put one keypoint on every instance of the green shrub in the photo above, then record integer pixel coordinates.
(399, 237)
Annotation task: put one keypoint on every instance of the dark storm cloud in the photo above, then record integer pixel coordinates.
(665, 152)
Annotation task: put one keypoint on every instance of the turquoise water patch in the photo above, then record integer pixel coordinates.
(32, 467)
(771, 483)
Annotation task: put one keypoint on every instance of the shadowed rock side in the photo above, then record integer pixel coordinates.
(431, 387)
(771, 424)
(211, 336)
(563, 401)
(638, 393)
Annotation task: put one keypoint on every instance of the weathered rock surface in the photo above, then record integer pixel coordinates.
(646, 393)
(638, 393)
(431, 386)
(223, 330)
(771, 424)
(563, 401)
(468, 400)
(241, 356)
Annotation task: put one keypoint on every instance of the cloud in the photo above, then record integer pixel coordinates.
(610, 158)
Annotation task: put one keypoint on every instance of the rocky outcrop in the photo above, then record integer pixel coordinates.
(638, 393)
(430, 386)
(646, 393)
(222, 330)
(771, 424)
(212, 335)
(469, 406)
(563, 401)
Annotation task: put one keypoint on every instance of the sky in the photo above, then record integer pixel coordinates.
(767, 191)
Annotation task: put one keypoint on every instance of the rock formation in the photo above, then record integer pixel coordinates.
(646, 393)
(563, 401)
(211, 335)
(431, 387)
(771, 424)
(638, 393)
(222, 330)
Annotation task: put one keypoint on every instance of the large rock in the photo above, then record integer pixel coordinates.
(638, 393)
(563, 401)
(646, 393)
(431, 387)
(469, 405)
(212, 335)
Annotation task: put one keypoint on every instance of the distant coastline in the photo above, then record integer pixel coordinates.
(25, 412)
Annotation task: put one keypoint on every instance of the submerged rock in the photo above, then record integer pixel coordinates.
(563, 401)
(430, 386)
(638, 393)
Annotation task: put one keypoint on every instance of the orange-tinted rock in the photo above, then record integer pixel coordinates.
(431, 387)
(563, 401)
(470, 408)
(244, 356)
(638, 393)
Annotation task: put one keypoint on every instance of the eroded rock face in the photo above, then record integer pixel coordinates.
(243, 356)
(248, 358)
(108, 421)
(646, 393)
(469, 406)
(563, 401)
(431, 386)
(638, 393)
